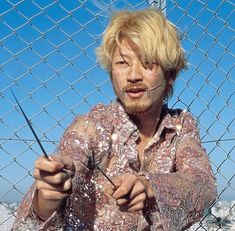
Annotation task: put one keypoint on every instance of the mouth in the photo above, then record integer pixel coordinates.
(135, 92)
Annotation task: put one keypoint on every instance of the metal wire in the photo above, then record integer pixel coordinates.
(47, 56)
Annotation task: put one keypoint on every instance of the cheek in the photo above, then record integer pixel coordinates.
(117, 77)
(154, 77)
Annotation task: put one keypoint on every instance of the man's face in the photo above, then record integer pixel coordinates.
(132, 80)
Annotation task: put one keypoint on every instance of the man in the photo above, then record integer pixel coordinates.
(161, 173)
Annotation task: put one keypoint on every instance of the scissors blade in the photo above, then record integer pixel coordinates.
(97, 166)
(39, 142)
(29, 124)
(91, 162)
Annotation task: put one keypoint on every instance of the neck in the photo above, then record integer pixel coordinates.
(147, 123)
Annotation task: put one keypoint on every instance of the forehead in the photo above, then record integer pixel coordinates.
(125, 48)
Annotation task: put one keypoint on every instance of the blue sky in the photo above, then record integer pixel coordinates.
(47, 56)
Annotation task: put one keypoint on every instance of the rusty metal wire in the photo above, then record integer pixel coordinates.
(47, 55)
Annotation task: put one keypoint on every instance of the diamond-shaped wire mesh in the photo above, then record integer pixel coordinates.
(47, 56)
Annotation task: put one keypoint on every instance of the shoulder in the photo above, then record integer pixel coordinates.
(98, 112)
(98, 116)
(180, 114)
(182, 119)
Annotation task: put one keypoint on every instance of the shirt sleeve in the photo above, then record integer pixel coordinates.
(76, 140)
(183, 196)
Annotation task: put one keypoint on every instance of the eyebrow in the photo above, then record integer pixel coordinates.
(121, 54)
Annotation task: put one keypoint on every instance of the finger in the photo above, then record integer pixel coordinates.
(67, 161)
(127, 200)
(48, 166)
(65, 187)
(121, 191)
(137, 207)
(122, 201)
(69, 172)
(117, 182)
(52, 178)
(137, 189)
(138, 199)
(127, 184)
(148, 188)
(53, 195)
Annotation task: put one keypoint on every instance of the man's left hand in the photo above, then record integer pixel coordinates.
(131, 192)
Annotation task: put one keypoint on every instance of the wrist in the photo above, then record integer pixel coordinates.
(42, 208)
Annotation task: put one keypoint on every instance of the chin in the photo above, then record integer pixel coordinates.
(137, 108)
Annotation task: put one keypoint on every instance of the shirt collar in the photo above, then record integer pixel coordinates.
(125, 126)
(167, 123)
(128, 129)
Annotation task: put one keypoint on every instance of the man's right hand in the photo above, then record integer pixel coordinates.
(53, 183)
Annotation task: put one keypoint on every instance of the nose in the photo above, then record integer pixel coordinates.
(135, 74)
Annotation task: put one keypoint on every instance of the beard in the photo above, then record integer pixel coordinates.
(136, 107)
(142, 105)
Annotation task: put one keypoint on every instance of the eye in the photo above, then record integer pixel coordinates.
(122, 63)
(151, 66)
(156, 63)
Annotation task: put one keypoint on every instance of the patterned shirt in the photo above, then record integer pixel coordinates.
(175, 164)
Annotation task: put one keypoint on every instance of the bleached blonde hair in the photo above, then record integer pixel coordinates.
(156, 38)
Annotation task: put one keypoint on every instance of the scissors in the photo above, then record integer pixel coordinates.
(40, 144)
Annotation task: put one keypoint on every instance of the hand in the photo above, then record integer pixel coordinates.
(53, 183)
(131, 192)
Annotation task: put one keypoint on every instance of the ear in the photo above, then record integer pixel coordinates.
(169, 85)
(170, 82)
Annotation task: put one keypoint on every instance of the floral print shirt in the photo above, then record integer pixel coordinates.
(175, 164)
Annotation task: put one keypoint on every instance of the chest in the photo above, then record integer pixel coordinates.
(141, 145)
(142, 155)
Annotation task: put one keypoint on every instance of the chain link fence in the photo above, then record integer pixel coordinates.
(47, 56)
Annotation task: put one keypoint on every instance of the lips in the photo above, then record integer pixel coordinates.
(135, 92)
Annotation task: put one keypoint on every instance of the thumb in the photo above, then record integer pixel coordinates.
(66, 161)
(117, 181)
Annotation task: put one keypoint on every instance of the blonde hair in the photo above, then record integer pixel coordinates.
(152, 33)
